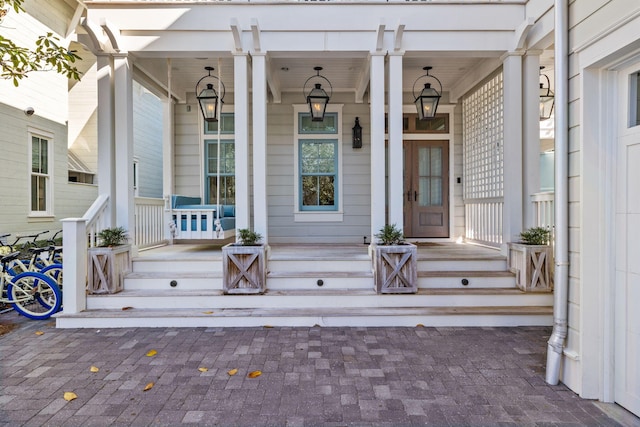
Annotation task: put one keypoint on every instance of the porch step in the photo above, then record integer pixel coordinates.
(473, 279)
(316, 298)
(335, 280)
(412, 316)
(192, 280)
(453, 263)
(180, 264)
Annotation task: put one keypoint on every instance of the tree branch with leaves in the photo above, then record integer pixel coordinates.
(18, 61)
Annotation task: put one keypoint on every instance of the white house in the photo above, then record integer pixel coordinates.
(471, 174)
(36, 191)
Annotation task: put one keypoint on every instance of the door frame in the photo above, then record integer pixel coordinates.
(409, 209)
(453, 172)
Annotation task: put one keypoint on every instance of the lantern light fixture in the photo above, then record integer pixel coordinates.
(357, 134)
(208, 96)
(317, 98)
(547, 98)
(427, 101)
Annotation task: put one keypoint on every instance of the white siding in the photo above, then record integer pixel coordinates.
(592, 38)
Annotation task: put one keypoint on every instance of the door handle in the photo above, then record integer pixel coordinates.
(409, 196)
(415, 196)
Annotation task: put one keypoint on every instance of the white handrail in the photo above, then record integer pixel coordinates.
(95, 218)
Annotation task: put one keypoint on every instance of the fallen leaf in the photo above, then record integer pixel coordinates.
(207, 312)
(148, 387)
(203, 369)
(94, 369)
(152, 353)
(267, 326)
(39, 333)
(254, 374)
(126, 308)
(419, 325)
(69, 396)
(232, 372)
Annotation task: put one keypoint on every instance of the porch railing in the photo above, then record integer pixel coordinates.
(149, 219)
(483, 218)
(543, 209)
(78, 234)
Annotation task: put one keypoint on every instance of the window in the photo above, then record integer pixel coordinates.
(41, 173)
(227, 181)
(318, 174)
(318, 165)
(227, 172)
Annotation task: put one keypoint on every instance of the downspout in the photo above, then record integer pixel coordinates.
(561, 274)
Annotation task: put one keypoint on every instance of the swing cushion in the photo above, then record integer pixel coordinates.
(227, 212)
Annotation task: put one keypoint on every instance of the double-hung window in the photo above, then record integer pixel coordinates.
(318, 166)
(40, 148)
(225, 192)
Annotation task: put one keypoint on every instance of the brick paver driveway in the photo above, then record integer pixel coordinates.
(309, 376)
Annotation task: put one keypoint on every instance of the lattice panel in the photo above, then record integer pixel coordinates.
(483, 122)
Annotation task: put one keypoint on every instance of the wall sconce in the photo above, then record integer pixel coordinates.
(427, 101)
(317, 98)
(208, 97)
(547, 99)
(357, 134)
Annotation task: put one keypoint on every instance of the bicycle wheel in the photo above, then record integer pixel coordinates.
(55, 272)
(34, 295)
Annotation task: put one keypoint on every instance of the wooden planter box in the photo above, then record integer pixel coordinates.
(244, 269)
(107, 268)
(533, 266)
(395, 268)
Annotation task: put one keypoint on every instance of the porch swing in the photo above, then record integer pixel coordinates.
(192, 220)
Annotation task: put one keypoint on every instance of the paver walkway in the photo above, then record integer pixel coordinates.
(309, 377)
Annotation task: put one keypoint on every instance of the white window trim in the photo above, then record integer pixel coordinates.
(31, 132)
(136, 176)
(316, 216)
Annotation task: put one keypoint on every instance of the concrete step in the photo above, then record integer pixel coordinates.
(466, 279)
(413, 316)
(316, 298)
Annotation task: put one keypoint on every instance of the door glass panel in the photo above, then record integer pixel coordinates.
(436, 161)
(436, 192)
(423, 191)
(423, 161)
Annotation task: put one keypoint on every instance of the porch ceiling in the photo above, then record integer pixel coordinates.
(344, 71)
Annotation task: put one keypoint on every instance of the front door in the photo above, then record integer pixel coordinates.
(426, 189)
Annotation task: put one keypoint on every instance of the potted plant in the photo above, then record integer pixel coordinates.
(531, 259)
(109, 262)
(395, 268)
(244, 264)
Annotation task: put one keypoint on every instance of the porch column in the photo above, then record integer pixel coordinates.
(259, 80)
(241, 118)
(168, 164)
(123, 103)
(106, 147)
(377, 143)
(512, 210)
(531, 132)
(396, 185)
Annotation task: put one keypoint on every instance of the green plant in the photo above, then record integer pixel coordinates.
(113, 236)
(390, 235)
(247, 237)
(536, 236)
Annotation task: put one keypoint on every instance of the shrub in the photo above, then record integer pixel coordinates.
(390, 235)
(536, 236)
